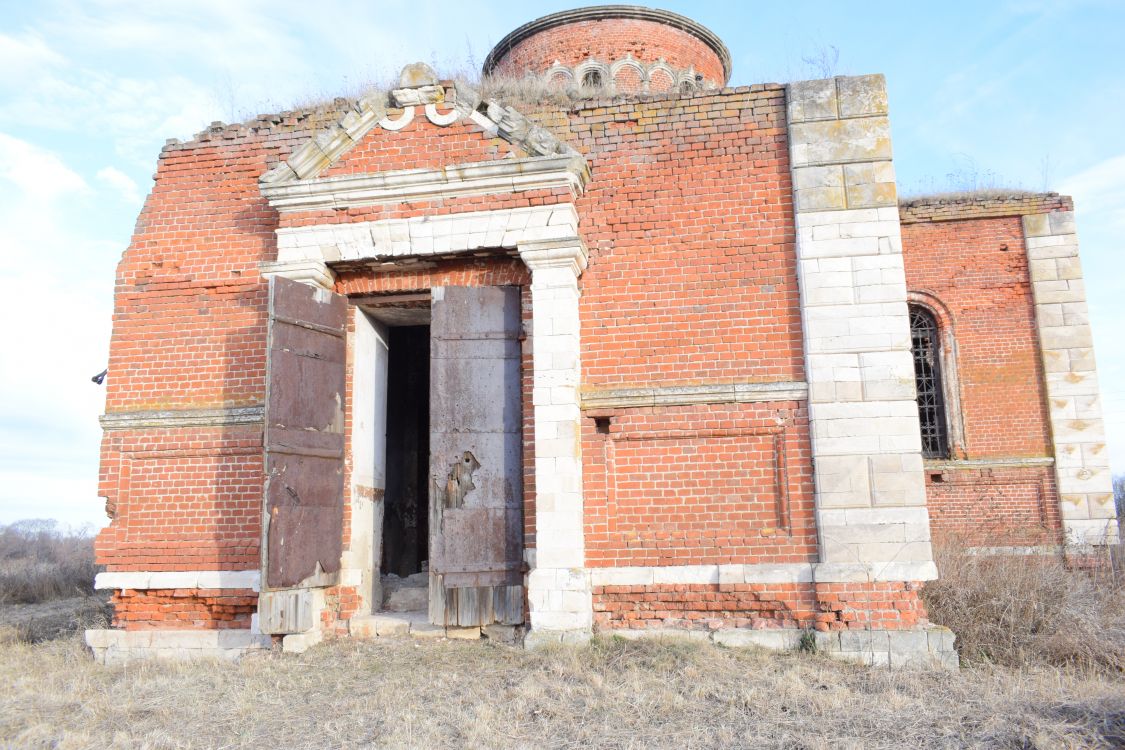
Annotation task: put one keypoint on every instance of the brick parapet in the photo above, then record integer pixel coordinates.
(940, 208)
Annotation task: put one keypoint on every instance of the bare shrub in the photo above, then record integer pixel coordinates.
(39, 561)
(1029, 610)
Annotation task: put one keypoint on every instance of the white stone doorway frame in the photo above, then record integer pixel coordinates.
(546, 239)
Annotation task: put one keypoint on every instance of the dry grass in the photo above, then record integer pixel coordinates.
(612, 694)
(40, 561)
(1017, 611)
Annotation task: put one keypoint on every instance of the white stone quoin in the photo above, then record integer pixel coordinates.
(1075, 410)
(870, 490)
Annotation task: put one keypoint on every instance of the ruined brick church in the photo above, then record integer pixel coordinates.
(672, 358)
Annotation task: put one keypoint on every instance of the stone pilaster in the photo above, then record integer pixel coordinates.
(558, 584)
(1066, 346)
(870, 492)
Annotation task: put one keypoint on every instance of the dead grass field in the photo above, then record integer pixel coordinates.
(612, 694)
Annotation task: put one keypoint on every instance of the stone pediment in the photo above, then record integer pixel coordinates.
(299, 182)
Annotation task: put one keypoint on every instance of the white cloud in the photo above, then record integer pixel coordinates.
(1100, 190)
(121, 182)
(24, 55)
(38, 173)
(57, 280)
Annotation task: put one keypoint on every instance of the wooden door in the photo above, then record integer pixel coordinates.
(304, 436)
(476, 470)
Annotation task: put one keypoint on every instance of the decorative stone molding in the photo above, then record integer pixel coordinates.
(682, 395)
(413, 185)
(389, 239)
(175, 418)
(683, 80)
(1075, 410)
(870, 491)
(494, 118)
(121, 646)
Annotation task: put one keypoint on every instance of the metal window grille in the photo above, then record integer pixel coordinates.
(927, 376)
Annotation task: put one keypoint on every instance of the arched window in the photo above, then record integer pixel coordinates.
(592, 78)
(926, 344)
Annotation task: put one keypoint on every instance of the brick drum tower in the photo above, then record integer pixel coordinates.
(627, 48)
(659, 355)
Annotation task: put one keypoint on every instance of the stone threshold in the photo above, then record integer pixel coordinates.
(418, 625)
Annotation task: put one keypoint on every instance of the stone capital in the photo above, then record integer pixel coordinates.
(567, 253)
(313, 272)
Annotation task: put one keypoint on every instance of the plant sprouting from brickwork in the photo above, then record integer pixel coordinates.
(823, 62)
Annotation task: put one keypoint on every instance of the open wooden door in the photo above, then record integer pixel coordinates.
(304, 442)
(476, 471)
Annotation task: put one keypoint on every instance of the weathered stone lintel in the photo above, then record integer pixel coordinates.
(516, 228)
(174, 418)
(120, 646)
(683, 395)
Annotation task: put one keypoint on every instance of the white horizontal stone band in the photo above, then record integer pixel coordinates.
(765, 574)
(182, 418)
(179, 579)
(680, 395)
(989, 463)
(408, 185)
(428, 235)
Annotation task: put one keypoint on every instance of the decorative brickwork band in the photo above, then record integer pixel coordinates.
(1066, 345)
(870, 496)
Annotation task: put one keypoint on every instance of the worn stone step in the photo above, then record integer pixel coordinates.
(407, 600)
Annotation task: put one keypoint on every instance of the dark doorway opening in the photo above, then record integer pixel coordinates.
(406, 533)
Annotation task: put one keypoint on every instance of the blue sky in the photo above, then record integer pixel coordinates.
(1024, 94)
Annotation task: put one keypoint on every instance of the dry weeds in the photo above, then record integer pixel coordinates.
(1022, 610)
(611, 694)
(39, 561)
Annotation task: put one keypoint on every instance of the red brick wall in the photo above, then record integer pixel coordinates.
(999, 507)
(689, 225)
(978, 270)
(182, 499)
(610, 40)
(699, 485)
(690, 230)
(974, 272)
(184, 609)
(826, 606)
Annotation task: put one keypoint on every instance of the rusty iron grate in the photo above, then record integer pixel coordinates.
(927, 377)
